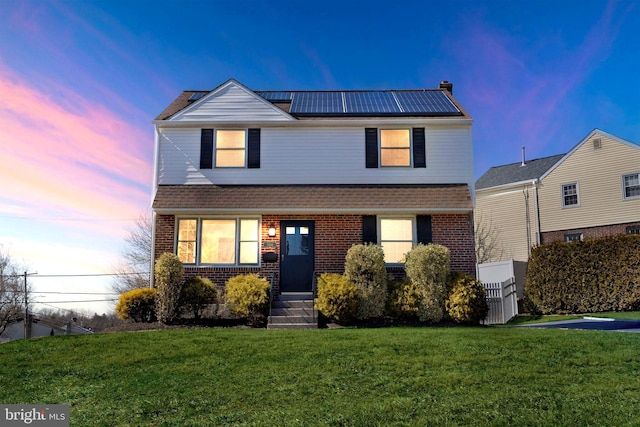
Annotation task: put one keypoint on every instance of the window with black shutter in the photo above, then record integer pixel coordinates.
(206, 149)
(253, 157)
(419, 150)
(371, 147)
(369, 229)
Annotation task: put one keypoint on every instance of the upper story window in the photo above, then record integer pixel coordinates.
(233, 148)
(570, 195)
(230, 148)
(224, 241)
(395, 147)
(631, 185)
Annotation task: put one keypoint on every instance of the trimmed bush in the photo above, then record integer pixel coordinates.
(138, 305)
(404, 299)
(197, 293)
(169, 273)
(337, 297)
(585, 277)
(247, 296)
(467, 301)
(364, 266)
(427, 267)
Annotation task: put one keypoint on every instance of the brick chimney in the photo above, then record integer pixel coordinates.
(446, 86)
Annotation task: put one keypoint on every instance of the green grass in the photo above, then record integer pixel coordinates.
(336, 377)
(527, 319)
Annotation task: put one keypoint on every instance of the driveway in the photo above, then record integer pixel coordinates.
(592, 324)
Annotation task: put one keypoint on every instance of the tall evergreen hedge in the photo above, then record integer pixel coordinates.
(585, 277)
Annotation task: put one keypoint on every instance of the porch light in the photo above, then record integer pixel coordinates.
(272, 231)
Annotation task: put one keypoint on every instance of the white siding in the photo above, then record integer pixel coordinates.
(231, 103)
(317, 156)
(598, 173)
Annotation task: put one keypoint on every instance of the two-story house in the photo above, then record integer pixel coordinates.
(591, 191)
(283, 183)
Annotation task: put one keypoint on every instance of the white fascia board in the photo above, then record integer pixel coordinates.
(373, 122)
(286, 211)
(507, 186)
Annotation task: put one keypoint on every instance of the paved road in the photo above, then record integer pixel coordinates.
(591, 323)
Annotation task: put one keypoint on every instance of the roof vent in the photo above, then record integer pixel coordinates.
(597, 143)
(446, 86)
(523, 162)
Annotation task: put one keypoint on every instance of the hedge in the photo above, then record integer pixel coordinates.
(585, 276)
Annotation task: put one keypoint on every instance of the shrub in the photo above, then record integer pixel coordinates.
(168, 281)
(247, 295)
(337, 297)
(427, 267)
(467, 301)
(364, 266)
(138, 305)
(404, 299)
(585, 277)
(197, 293)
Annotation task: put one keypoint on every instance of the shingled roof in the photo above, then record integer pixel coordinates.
(516, 172)
(314, 198)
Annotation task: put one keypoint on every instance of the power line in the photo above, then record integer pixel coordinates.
(75, 302)
(13, 276)
(74, 219)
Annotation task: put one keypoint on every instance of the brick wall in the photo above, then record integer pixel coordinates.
(455, 231)
(588, 233)
(334, 235)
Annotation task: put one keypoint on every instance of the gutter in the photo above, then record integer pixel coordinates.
(395, 121)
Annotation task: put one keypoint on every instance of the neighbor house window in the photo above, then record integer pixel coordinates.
(186, 247)
(225, 241)
(633, 229)
(570, 195)
(572, 237)
(230, 148)
(396, 238)
(395, 147)
(631, 186)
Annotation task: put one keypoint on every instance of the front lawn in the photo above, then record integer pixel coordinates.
(527, 319)
(336, 377)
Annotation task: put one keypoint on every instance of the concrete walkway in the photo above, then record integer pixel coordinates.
(591, 324)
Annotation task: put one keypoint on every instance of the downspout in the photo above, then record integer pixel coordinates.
(156, 159)
(535, 184)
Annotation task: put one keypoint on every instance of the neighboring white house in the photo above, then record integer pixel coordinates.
(591, 191)
(38, 328)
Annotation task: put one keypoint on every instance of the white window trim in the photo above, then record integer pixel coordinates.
(577, 184)
(380, 148)
(414, 233)
(624, 193)
(215, 148)
(199, 220)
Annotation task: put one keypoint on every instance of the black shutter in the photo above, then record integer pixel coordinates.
(425, 234)
(419, 151)
(369, 229)
(253, 158)
(206, 149)
(371, 147)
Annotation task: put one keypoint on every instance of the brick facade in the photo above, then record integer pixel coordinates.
(588, 233)
(334, 235)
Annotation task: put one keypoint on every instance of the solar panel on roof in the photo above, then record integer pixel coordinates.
(196, 95)
(317, 103)
(434, 102)
(281, 96)
(371, 102)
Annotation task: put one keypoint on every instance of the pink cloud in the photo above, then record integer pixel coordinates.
(69, 154)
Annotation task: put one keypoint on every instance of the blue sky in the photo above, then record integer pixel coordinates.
(81, 81)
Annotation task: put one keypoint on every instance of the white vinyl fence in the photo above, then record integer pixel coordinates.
(502, 300)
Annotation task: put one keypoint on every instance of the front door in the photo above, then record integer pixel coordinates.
(296, 256)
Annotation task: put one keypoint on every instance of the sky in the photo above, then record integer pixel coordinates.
(82, 80)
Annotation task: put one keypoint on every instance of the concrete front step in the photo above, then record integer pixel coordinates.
(292, 314)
